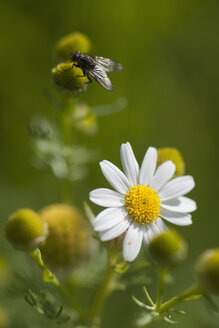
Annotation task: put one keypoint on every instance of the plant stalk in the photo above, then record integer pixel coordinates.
(193, 290)
(161, 287)
(104, 290)
(49, 277)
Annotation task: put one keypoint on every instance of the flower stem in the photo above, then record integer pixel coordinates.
(193, 290)
(66, 128)
(66, 191)
(161, 286)
(67, 120)
(49, 277)
(104, 290)
(148, 298)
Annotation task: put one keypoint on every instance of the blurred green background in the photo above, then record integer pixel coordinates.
(170, 53)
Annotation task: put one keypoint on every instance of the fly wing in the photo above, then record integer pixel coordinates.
(108, 64)
(100, 75)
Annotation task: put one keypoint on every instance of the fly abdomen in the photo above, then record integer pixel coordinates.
(86, 62)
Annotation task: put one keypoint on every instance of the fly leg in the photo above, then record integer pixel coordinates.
(81, 75)
(75, 65)
(85, 74)
(88, 77)
(75, 76)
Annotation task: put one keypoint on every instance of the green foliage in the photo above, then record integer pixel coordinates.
(51, 151)
(46, 306)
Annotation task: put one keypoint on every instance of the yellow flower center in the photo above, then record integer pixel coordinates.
(142, 204)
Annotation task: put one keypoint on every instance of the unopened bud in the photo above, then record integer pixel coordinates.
(25, 230)
(85, 120)
(67, 244)
(168, 248)
(207, 269)
(172, 154)
(72, 42)
(69, 78)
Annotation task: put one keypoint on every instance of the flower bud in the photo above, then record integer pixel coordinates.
(168, 248)
(25, 230)
(207, 269)
(172, 154)
(69, 78)
(72, 42)
(85, 120)
(67, 244)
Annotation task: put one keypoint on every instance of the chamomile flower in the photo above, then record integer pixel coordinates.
(144, 197)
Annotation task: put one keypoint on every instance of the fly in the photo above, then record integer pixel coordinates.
(97, 67)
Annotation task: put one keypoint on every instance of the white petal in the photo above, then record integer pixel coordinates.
(109, 218)
(148, 166)
(132, 242)
(148, 235)
(115, 177)
(177, 187)
(153, 229)
(115, 231)
(181, 205)
(106, 197)
(163, 174)
(180, 219)
(158, 226)
(129, 163)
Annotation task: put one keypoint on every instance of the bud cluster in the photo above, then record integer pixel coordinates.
(60, 231)
(66, 76)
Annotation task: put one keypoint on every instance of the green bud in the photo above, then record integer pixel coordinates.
(168, 248)
(72, 42)
(172, 154)
(207, 269)
(67, 244)
(25, 230)
(85, 120)
(69, 78)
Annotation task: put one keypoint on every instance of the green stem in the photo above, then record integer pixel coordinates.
(67, 120)
(193, 290)
(148, 298)
(49, 277)
(161, 286)
(104, 290)
(66, 191)
(66, 128)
